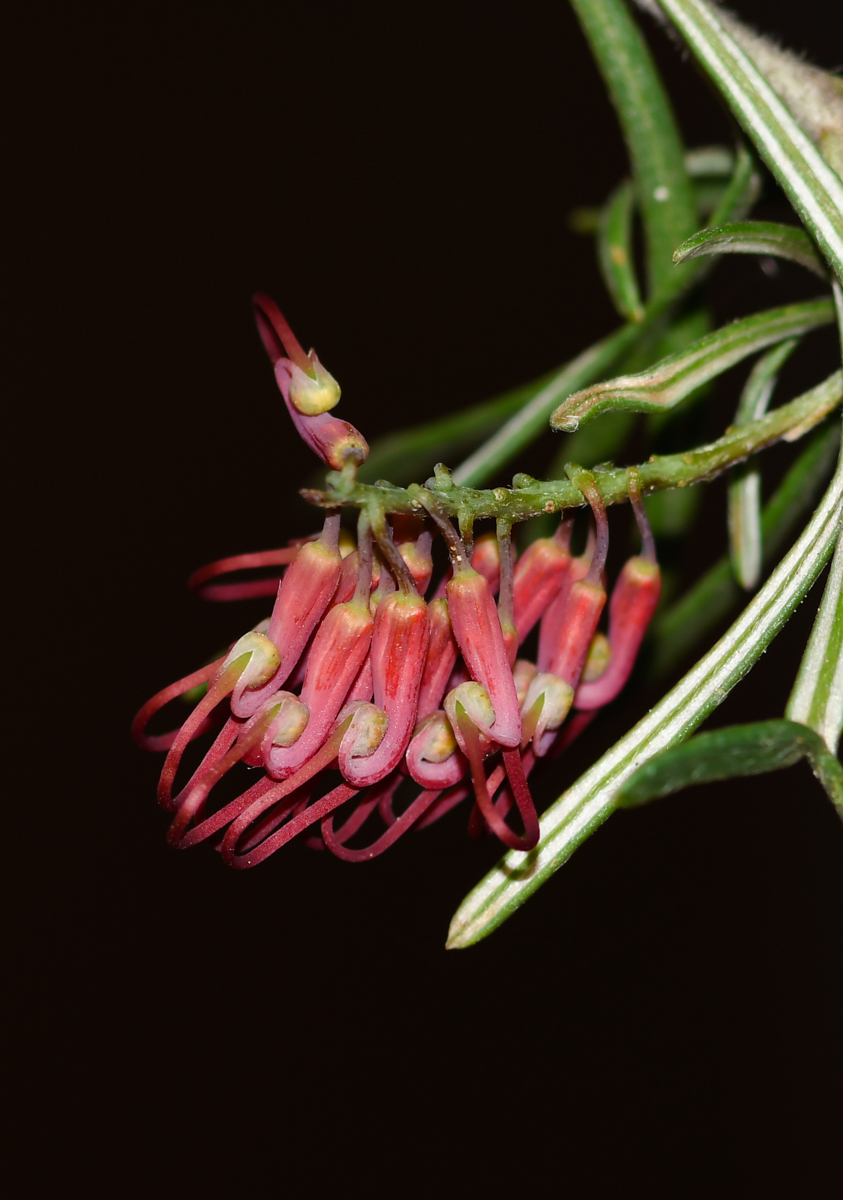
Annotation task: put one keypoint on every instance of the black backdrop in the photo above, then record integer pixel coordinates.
(665, 1013)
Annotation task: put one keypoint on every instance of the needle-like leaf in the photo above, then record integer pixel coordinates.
(732, 752)
(754, 237)
(675, 377)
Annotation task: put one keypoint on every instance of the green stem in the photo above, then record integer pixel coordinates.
(529, 497)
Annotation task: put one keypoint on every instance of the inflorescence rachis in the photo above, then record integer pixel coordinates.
(367, 678)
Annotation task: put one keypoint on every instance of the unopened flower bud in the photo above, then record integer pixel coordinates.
(486, 559)
(439, 662)
(579, 623)
(315, 391)
(539, 575)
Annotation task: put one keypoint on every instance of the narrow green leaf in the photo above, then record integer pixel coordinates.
(744, 492)
(742, 192)
(670, 380)
(614, 252)
(679, 628)
(542, 396)
(754, 237)
(585, 805)
(817, 697)
(813, 188)
(732, 753)
(655, 147)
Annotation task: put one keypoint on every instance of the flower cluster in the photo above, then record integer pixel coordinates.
(365, 678)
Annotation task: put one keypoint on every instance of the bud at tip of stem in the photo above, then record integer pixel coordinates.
(313, 393)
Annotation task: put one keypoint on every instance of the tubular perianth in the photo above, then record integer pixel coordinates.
(551, 620)
(505, 593)
(433, 757)
(364, 686)
(418, 559)
(398, 653)
(195, 797)
(163, 741)
(583, 607)
(303, 597)
(471, 741)
(539, 576)
(478, 633)
(296, 825)
(634, 600)
(339, 649)
(587, 597)
(439, 662)
(251, 661)
(414, 812)
(198, 581)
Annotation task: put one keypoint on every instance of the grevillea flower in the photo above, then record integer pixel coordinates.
(356, 688)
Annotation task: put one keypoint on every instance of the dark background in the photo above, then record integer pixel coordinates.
(664, 1015)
